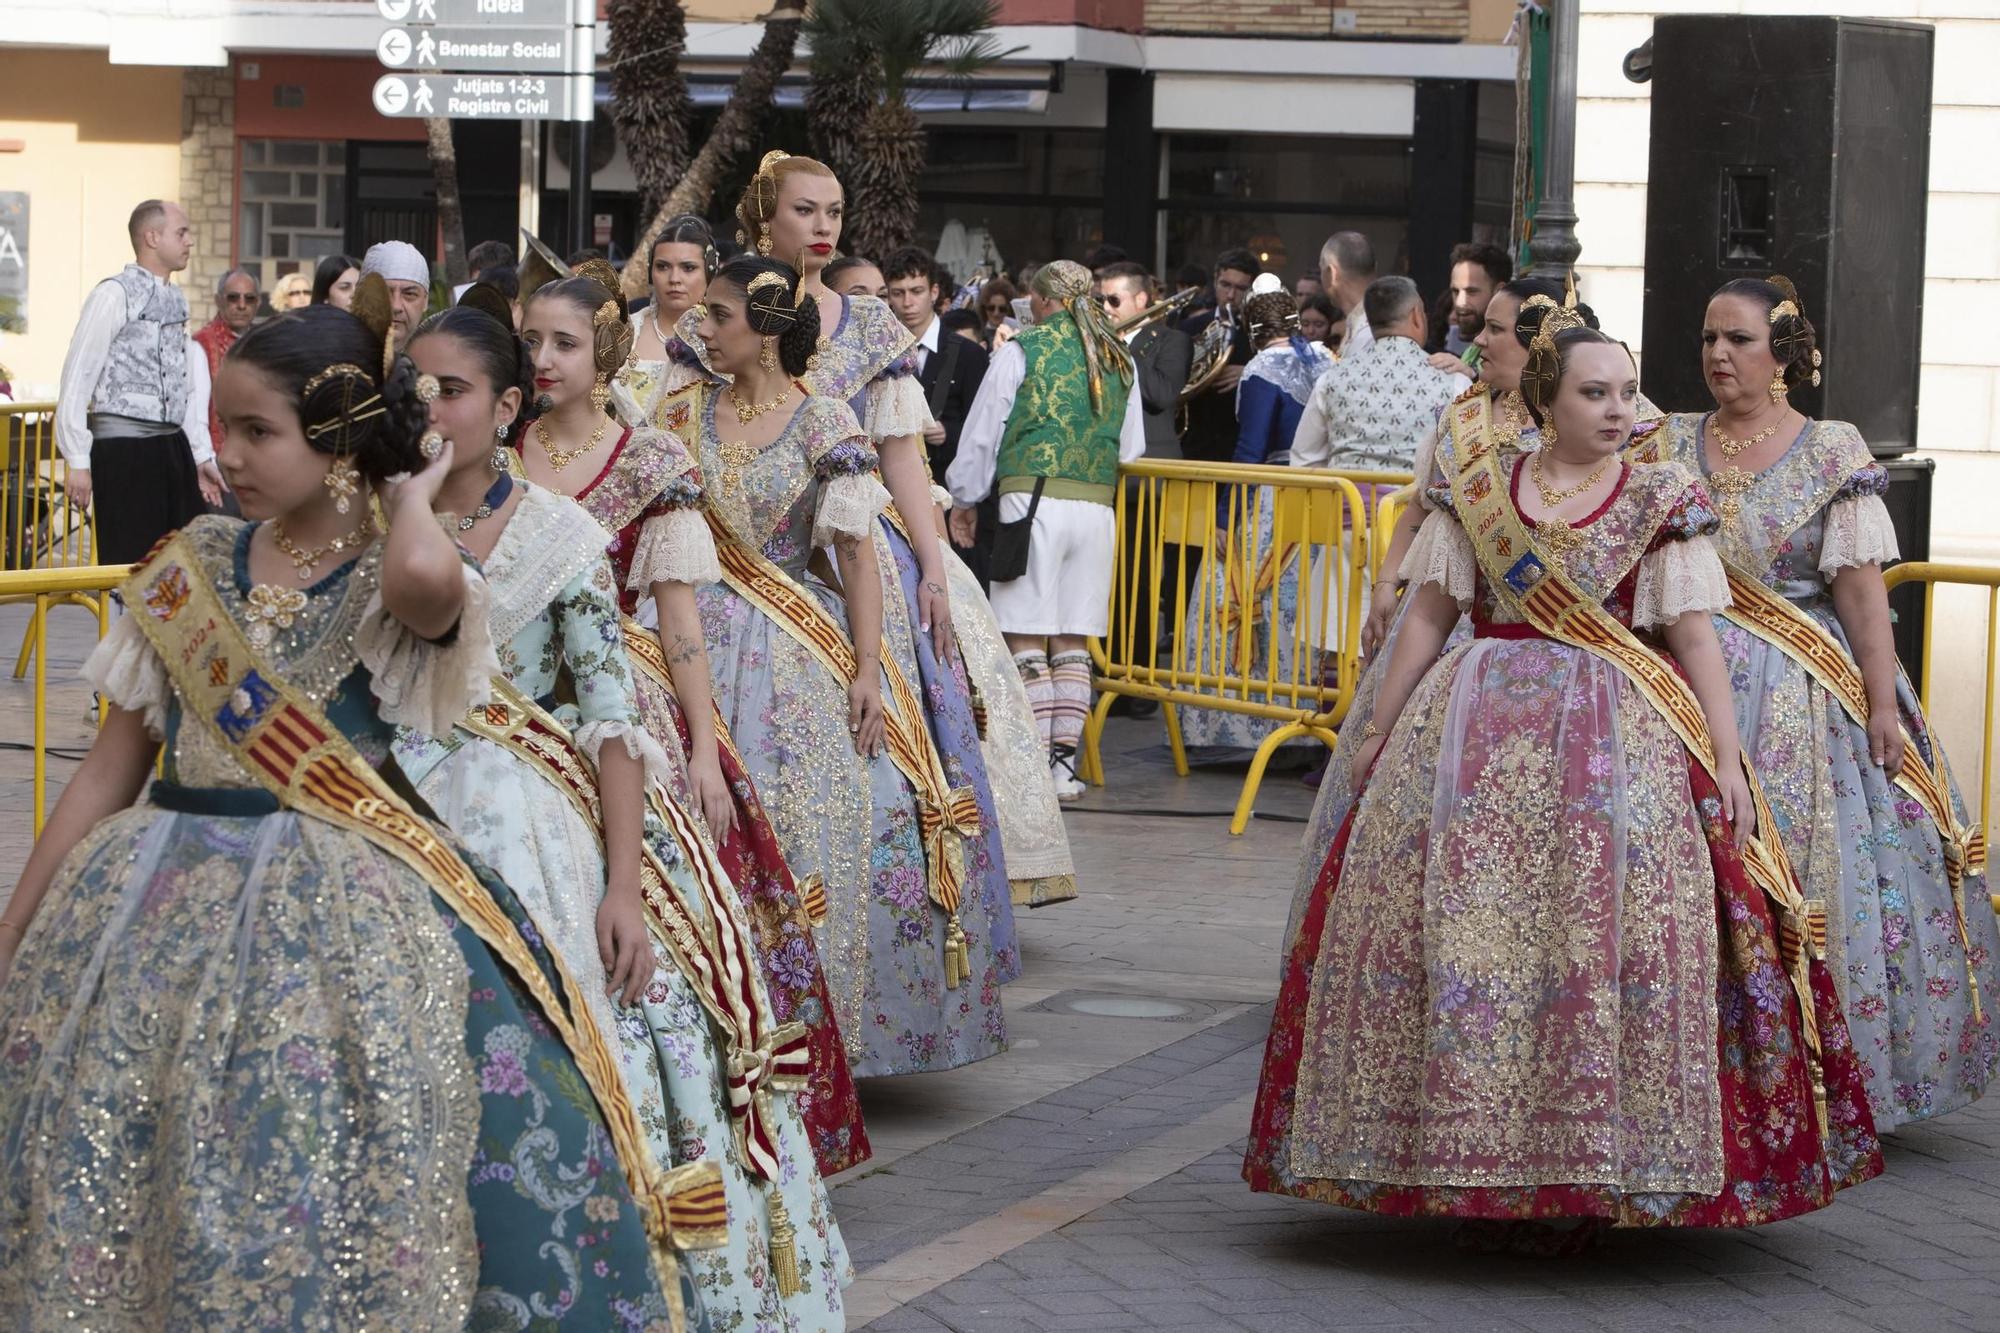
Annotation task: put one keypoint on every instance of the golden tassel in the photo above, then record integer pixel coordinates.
(957, 963)
(784, 1248)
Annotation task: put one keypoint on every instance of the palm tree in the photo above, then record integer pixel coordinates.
(890, 40)
(444, 178)
(735, 134)
(650, 103)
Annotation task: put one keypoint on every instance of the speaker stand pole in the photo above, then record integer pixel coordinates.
(579, 185)
(1554, 244)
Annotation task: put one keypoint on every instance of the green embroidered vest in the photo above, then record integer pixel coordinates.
(1052, 431)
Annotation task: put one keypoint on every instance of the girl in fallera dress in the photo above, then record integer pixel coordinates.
(274, 1052)
(1855, 775)
(684, 258)
(793, 211)
(640, 483)
(858, 794)
(554, 797)
(1541, 974)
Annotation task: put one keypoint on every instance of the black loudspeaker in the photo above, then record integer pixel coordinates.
(1798, 146)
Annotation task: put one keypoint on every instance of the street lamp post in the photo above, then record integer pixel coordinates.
(1554, 244)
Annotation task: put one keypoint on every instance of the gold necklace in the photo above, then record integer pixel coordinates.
(749, 412)
(303, 560)
(1553, 498)
(562, 458)
(1731, 447)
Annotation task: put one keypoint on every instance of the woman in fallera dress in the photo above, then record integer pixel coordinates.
(276, 1055)
(642, 486)
(1855, 775)
(932, 607)
(553, 795)
(684, 258)
(1541, 973)
(833, 733)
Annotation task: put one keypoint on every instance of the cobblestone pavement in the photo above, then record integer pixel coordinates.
(1088, 1178)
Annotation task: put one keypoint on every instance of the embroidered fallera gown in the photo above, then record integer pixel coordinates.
(1903, 969)
(555, 623)
(254, 1072)
(647, 492)
(1533, 978)
(850, 821)
(1270, 398)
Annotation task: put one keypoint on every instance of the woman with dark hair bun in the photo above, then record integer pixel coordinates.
(333, 281)
(274, 1041)
(1857, 779)
(555, 800)
(829, 727)
(684, 258)
(1545, 980)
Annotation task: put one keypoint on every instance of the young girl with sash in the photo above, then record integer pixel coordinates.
(554, 796)
(831, 729)
(276, 1053)
(932, 606)
(1547, 971)
(641, 484)
(1856, 777)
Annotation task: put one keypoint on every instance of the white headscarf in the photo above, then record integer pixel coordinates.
(397, 261)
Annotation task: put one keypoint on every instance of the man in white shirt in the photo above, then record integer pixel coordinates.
(132, 407)
(950, 370)
(1059, 410)
(1346, 267)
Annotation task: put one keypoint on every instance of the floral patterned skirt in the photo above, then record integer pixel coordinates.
(1437, 1113)
(853, 823)
(781, 932)
(1868, 850)
(251, 1073)
(675, 1070)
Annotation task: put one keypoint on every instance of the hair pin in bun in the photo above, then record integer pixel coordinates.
(770, 305)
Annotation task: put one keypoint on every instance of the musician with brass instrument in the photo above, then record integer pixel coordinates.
(1160, 352)
(1221, 350)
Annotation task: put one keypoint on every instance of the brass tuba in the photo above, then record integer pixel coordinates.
(1211, 354)
(1173, 305)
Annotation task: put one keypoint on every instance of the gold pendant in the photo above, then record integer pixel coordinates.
(1730, 485)
(1558, 538)
(271, 609)
(736, 456)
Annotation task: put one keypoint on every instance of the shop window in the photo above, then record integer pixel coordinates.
(288, 219)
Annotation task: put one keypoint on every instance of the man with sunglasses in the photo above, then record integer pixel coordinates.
(236, 301)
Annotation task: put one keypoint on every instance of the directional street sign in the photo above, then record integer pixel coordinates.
(517, 13)
(484, 97)
(479, 48)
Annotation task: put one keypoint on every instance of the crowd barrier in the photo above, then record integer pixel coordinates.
(1930, 575)
(39, 528)
(1240, 588)
(86, 585)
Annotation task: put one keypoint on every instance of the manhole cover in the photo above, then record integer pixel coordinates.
(1099, 1005)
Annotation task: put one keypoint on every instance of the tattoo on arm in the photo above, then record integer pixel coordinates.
(937, 588)
(683, 649)
(848, 545)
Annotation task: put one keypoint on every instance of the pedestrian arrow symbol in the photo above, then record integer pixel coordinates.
(391, 95)
(394, 47)
(393, 10)
(427, 50)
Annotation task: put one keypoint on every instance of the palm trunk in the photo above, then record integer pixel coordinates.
(650, 102)
(451, 214)
(734, 134)
(839, 99)
(890, 165)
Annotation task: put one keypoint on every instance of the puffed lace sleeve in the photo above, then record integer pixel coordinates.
(1858, 530)
(1680, 572)
(593, 645)
(894, 404)
(851, 496)
(1442, 554)
(127, 672)
(429, 685)
(674, 543)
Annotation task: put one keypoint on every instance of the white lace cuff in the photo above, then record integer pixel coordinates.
(894, 405)
(428, 686)
(638, 743)
(1442, 554)
(674, 547)
(1679, 577)
(1858, 532)
(848, 507)
(127, 672)
(941, 497)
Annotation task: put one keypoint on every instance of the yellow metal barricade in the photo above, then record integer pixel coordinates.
(1932, 574)
(39, 527)
(1238, 588)
(87, 585)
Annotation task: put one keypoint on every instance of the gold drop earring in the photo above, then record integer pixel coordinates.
(768, 358)
(764, 239)
(497, 460)
(1778, 385)
(344, 481)
(600, 392)
(1549, 433)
